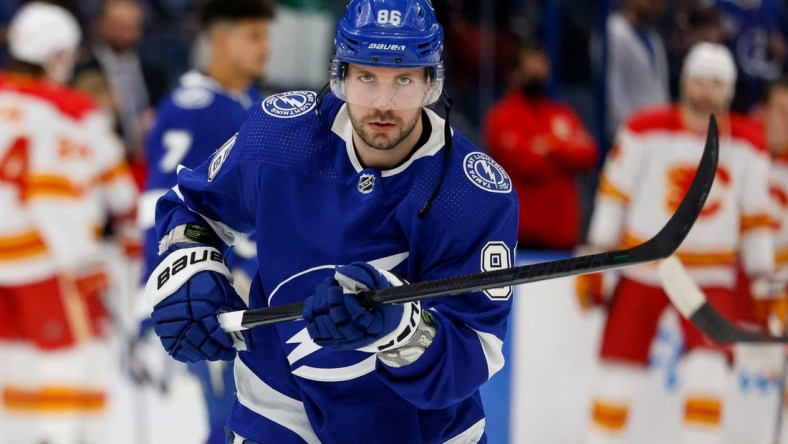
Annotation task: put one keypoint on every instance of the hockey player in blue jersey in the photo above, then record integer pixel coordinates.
(360, 188)
(206, 109)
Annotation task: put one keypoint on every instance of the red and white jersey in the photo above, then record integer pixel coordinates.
(648, 172)
(778, 189)
(44, 178)
(113, 192)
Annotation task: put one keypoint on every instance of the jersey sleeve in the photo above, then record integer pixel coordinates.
(467, 348)
(616, 184)
(54, 197)
(757, 237)
(113, 174)
(222, 192)
(574, 149)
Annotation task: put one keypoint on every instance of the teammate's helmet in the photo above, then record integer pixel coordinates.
(389, 33)
(38, 31)
(710, 60)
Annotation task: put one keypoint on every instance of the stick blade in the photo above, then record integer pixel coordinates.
(682, 291)
(690, 301)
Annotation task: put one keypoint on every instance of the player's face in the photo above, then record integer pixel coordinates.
(386, 88)
(247, 46)
(377, 124)
(705, 95)
(121, 25)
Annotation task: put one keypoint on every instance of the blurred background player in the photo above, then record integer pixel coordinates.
(543, 145)
(766, 308)
(57, 156)
(776, 126)
(645, 177)
(205, 110)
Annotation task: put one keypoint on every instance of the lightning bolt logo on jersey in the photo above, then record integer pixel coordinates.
(486, 173)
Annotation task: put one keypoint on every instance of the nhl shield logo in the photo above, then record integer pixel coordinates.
(366, 183)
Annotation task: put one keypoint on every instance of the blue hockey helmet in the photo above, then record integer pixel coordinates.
(392, 34)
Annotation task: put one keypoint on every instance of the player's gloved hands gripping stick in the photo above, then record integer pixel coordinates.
(337, 321)
(190, 286)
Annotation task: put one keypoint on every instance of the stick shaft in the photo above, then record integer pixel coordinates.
(660, 246)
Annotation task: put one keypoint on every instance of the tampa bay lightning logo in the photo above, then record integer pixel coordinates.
(486, 174)
(290, 104)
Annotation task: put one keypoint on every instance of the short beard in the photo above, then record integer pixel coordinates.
(704, 108)
(379, 142)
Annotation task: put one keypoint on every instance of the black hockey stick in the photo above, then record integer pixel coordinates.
(658, 247)
(690, 301)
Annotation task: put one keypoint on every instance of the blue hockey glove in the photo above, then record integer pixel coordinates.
(336, 320)
(187, 290)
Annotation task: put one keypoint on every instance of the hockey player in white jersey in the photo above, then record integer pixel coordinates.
(646, 174)
(52, 320)
(358, 188)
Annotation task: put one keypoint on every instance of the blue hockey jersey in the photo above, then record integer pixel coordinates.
(292, 176)
(191, 122)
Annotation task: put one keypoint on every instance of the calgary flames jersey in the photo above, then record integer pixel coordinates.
(112, 192)
(47, 169)
(778, 189)
(648, 172)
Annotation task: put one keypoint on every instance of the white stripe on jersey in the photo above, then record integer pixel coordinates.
(262, 399)
(493, 352)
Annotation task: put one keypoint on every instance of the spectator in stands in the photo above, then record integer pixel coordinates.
(757, 34)
(544, 146)
(698, 24)
(137, 83)
(637, 66)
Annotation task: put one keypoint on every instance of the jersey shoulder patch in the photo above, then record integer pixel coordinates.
(192, 98)
(486, 173)
(290, 104)
(219, 157)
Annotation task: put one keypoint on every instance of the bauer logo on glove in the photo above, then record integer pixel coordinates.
(193, 257)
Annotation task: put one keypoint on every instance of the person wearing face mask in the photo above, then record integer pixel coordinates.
(544, 146)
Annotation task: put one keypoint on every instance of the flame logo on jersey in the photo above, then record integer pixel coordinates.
(679, 180)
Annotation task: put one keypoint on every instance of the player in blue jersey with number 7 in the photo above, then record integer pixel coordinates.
(208, 106)
(360, 188)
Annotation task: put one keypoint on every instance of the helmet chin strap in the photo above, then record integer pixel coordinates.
(448, 144)
(323, 91)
